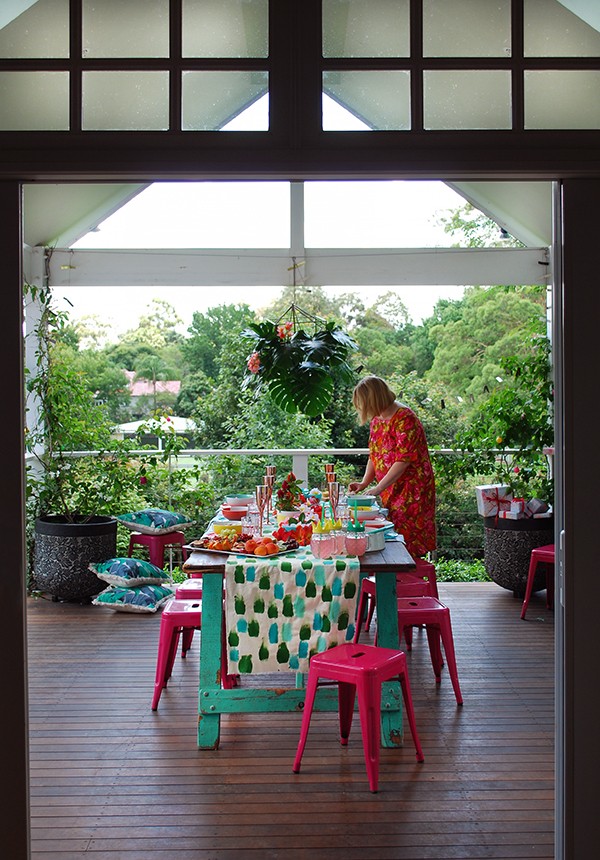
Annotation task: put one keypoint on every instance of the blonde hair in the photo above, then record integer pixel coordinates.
(371, 397)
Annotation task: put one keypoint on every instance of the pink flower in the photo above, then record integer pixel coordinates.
(516, 470)
(143, 479)
(254, 363)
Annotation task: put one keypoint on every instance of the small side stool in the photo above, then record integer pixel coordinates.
(177, 616)
(420, 582)
(541, 554)
(189, 589)
(362, 669)
(427, 611)
(156, 545)
(181, 618)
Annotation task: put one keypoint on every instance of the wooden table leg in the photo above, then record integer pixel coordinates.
(387, 637)
(209, 724)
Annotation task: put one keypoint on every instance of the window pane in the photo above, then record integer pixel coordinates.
(34, 101)
(29, 29)
(381, 100)
(137, 28)
(466, 100)
(211, 100)
(551, 30)
(225, 28)
(464, 28)
(125, 101)
(366, 28)
(566, 99)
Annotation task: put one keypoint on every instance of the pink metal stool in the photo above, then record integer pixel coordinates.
(156, 545)
(427, 611)
(420, 582)
(545, 555)
(362, 669)
(177, 616)
(181, 617)
(189, 589)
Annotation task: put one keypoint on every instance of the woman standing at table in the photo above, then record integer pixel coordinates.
(398, 462)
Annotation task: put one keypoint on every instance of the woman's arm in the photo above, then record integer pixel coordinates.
(393, 474)
(358, 486)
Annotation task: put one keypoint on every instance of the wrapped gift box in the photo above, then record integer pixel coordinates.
(511, 515)
(493, 498)
(536, 506)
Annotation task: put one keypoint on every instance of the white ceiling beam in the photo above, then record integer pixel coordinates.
(322, 267)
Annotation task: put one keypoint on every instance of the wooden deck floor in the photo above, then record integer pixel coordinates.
(111, 779)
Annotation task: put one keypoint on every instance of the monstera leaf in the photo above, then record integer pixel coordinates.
(299, 369)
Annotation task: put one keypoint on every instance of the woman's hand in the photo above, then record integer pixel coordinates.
(355, 487)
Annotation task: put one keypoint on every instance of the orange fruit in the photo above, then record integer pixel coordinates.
(250, 545)
(271, 548)
(261, 549)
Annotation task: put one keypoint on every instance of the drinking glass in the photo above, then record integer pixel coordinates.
(261, 495)
(356, 543)
(323, 544)
(329, 467)
(271, 470)
(334, 497)
(269, 481)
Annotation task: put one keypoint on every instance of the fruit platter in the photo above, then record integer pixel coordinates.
(243, 544)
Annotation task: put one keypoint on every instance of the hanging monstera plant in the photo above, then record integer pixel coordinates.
(299, 368)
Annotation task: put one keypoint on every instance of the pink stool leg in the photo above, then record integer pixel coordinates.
(309, 700)
(448, 643)
(186, 640)
(435, 650)
(410, 714)
(530, 579)
(369, 709)
(165, 657)
(346, 699)
(157, 552)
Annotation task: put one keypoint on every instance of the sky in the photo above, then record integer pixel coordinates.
(253, 215)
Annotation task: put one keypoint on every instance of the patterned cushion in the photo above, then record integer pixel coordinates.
(128, 572)
(144, 598)
(154, 521)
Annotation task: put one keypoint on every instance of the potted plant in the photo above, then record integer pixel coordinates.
(504, 443)
(299, 368)
(70, 502)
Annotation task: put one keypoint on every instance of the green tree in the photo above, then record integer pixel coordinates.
(213, 335)
(469, 349)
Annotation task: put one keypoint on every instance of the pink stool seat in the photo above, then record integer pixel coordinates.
(435, 617)
(359, 669)
(156, 545)
(540, 555)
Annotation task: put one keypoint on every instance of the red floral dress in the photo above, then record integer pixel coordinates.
(411, 500)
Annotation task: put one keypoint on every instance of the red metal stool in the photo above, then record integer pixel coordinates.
(177, 616)
(362, 669)
(427, 611)
(420, 582)
(545, 555)
(189, 589)
(181, 617)
(156, 545)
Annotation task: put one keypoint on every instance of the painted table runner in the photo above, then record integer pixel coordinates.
(281, 611)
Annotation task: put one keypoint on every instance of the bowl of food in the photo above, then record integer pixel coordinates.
(239, 500)
(360, 500)
(219, 528)
(233, 513)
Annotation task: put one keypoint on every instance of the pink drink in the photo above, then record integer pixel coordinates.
(340, 543)
(356, 544)
(323, 545)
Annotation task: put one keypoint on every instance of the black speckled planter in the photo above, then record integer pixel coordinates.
(507, 547)
(63, 552)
